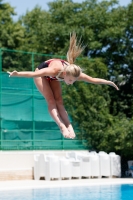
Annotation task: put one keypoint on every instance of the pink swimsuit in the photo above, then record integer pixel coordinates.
(46, 64)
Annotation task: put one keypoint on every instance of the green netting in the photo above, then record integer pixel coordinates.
(24, 119)
(17, 102)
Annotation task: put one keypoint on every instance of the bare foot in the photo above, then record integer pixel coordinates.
(65, 132)
(71, 131)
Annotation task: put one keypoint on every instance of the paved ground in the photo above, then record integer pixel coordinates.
(9, 185)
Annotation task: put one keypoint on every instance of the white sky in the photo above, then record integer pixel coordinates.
(21, 6)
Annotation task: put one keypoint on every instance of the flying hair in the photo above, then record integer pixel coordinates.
(75, 48)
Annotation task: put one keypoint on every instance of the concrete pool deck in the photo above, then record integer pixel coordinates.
(30, 184)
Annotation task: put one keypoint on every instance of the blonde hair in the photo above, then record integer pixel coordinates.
(73, 70)
(75, 49)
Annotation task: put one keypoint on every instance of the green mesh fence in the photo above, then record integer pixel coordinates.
(24, 119)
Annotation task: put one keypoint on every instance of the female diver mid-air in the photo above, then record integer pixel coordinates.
(47, 77)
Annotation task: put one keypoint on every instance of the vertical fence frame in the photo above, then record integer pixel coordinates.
(33, 116)
(0, 93)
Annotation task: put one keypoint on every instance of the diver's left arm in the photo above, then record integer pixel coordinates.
(89, 79)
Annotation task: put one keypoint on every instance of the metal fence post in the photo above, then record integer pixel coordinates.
(0, 95)
(33, 119)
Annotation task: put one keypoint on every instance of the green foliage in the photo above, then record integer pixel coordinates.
(35, 24)
(123, 66)
(119, 136)
(11, 33)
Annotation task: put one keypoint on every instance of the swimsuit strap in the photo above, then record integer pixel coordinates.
(63, 62)
(59, 75)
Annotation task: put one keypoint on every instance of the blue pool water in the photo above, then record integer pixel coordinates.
(108, 192)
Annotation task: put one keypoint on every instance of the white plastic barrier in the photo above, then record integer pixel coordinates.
(77, 165)
(71, 156)
(95, 165)
(104, 164)
(39, 166)
(85, 164)
(65, 168)
(76, 169)
(115, 164)
(52, 166)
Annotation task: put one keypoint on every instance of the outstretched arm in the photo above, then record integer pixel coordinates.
(49, 71)
(30, 74)
(89, 79)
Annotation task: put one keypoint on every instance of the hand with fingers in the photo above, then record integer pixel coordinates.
(114, 85)
(14, 73)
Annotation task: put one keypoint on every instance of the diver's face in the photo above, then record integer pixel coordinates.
(69, 80)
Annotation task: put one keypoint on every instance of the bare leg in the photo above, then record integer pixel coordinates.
(65, 118)
(56, 88)
(46, 90)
